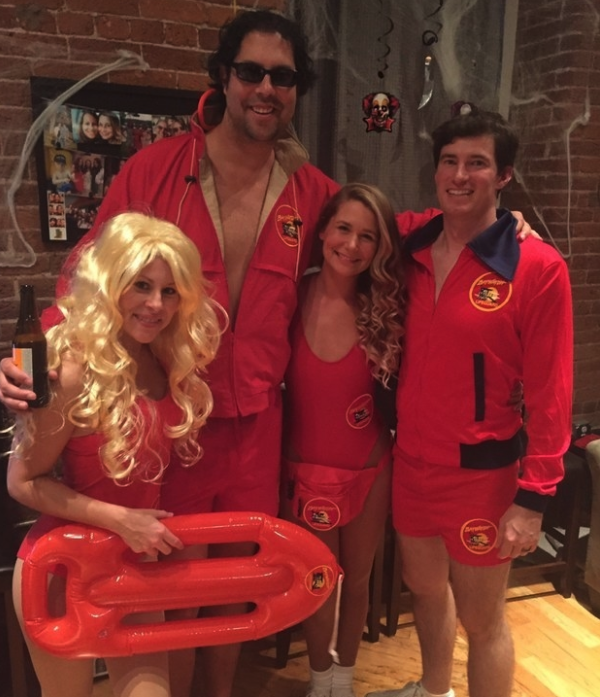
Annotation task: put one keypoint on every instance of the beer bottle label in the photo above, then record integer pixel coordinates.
(23, 359)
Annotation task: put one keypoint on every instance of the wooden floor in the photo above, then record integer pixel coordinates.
(557, 644)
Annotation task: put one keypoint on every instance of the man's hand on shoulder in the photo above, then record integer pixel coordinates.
(524, 229)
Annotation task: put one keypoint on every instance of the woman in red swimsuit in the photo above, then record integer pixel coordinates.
(345, 338)
(139, 328)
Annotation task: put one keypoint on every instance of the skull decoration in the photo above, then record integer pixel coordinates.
(379, 109)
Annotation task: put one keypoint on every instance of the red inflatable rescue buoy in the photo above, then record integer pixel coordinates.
(290, 576)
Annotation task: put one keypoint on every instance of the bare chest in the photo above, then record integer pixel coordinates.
(240, 209)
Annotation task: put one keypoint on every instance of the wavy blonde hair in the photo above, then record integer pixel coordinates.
(91, 335)
(380, 290)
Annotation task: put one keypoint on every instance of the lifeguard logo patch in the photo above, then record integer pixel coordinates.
(490, 292)
(321, 514)
(289, 223)
(360, 412)
(479, 535)
(320, 580)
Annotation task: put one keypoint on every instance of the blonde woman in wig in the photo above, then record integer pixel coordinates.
(345, 338)
(139, 330)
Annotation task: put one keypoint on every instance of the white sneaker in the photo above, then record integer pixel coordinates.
(314, 693)
(411, 689)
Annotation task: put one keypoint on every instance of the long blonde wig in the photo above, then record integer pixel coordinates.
(91, 335)
(381, 299)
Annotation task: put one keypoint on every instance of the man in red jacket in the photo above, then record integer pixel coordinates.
(483, 312)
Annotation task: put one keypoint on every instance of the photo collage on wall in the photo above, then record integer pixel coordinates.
(83, 151)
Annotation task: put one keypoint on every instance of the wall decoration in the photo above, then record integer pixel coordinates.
(87, 141)
(379, 109)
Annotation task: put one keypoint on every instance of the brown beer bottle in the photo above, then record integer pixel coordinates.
(29, 347)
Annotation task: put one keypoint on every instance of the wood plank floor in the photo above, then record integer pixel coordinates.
(557, 643)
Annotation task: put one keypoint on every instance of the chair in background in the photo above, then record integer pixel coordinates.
(565, 515)
(592, 561)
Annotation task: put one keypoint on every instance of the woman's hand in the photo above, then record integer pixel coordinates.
(142, 531)
(15, 386)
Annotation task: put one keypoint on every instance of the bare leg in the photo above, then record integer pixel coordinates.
(318, 628)
(54, 673)
(146, 675)
(219, 663)
(354, 545)
(182, 663)
(425, 569)
(480, 593)
(358, 544)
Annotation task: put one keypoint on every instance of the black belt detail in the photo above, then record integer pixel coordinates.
(492, 454)
(479, 384)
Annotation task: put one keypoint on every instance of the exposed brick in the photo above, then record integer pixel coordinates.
(95, 51)
(49, 4)
(181, 34)
(585, 351)
(128, 8)
(21, 44)
(76, 23)
(8, 18)
(171, 58)
(34, 18)
(153, 78)
(575, 41)
(192, 82)
(184, 11)
(14, 92)
(56, 261)
(64, 69)
(12, 117)
(111, 27)
(147, 31)
(585, 230)
(208, 39)
(216, 15)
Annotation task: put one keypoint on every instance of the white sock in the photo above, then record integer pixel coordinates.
(321, 680)
(342, 681)
(426, 693)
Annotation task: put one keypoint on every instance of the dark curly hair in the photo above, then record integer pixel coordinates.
(233, 33)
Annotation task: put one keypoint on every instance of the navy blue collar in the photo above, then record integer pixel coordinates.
(497, 246)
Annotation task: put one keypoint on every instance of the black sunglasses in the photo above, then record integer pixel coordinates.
(247, 71)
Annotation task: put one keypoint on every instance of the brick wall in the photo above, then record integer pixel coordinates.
(557, 69)
(69, 39)
(558, 56)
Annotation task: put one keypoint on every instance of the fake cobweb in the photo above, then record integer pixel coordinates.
(376, 46)
(22, 254)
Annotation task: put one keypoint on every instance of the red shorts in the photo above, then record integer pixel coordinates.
(239, 470)
(325, 497)
(462, 506)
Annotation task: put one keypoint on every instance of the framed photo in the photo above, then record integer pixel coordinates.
(87, 141)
